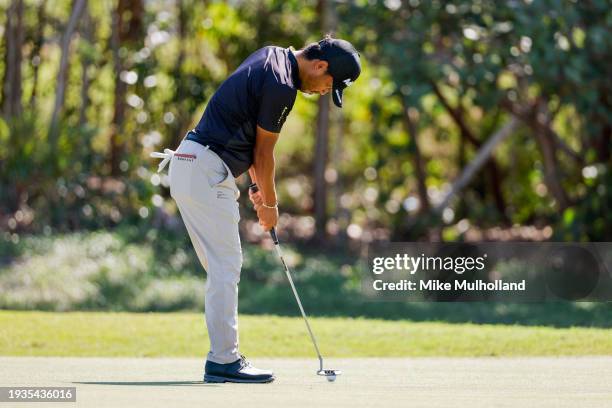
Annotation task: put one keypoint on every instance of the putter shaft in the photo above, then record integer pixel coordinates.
(297, 297)
(253, 187)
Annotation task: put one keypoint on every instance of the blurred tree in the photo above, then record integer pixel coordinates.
(458, 114)
(62, 76)
(410, 119)
(440, 80)
(35, 59)
(321, 154)
(88, 27)
(475, 165)
(181, 99)
(13, 40)
(127, 35)
(488, 59)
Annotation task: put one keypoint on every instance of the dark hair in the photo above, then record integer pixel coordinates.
(313, 50)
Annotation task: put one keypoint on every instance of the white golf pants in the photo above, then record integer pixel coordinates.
(206, 194)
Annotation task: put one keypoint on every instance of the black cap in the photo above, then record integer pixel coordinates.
(343, 65)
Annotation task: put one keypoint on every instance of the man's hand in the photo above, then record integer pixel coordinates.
(268, 217)
(256, 199)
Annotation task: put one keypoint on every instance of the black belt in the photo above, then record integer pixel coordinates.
(193, 136)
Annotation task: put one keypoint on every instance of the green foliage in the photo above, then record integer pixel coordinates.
(584, 221)
(487, 60)
(132, 269)
(487, 55)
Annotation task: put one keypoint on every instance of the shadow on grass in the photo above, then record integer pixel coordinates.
(149, 383)
(330, 284)
(559, 314)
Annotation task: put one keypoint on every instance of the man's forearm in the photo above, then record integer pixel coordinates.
(264, 177)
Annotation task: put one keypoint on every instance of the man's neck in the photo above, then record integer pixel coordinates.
(301, 64)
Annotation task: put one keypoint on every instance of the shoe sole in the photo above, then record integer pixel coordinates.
(217, 379)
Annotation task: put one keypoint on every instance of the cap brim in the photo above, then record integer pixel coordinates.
(337, 96)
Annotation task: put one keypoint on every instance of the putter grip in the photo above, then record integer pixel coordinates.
(273, 235)
(253, 187)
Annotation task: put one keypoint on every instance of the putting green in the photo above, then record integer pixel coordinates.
(371, 382)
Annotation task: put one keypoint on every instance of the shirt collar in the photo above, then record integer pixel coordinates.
(295, 69)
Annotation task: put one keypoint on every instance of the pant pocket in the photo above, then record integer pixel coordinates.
(216, 176)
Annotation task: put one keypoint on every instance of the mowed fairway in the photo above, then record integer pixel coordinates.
(99, 334)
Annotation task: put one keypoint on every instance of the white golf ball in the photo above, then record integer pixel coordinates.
(331, 377)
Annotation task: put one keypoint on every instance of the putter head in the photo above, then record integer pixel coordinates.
(329, 373)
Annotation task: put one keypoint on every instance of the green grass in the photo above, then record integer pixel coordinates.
(27, 333)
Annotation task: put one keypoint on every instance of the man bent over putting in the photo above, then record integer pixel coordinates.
(237, 133)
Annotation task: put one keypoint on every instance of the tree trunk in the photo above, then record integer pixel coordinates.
(62, 75)
(496, 179)
(495, 182)
(537, 117)
(552, 174)
(123, 34)
(419, 166)
(320, 164)
(604, 141)
(342, 214)
(116, 146)
(36, 59)
(565, 148)
(477, 163)
(11, 84)
(551, 170)
(183, 116)
(88, 36)
(322, 139)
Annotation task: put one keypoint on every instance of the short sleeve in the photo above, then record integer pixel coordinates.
(276, 102)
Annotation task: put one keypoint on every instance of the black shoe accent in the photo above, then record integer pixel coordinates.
(240, 371)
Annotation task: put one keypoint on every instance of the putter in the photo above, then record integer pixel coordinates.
(330, 375)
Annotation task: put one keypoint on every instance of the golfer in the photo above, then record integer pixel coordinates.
(237, 133)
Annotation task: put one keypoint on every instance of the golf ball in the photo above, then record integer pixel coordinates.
(331, 377)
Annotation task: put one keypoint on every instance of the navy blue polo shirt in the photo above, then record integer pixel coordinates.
(261, 92)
